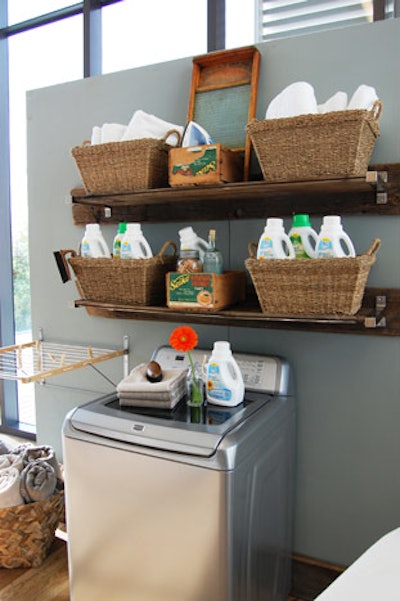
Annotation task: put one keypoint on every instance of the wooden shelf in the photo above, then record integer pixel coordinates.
(380, 315)
(377, 193)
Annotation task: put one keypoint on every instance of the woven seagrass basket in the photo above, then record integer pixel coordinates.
(27, 531)
(336, 144)
(117, 167)
(309, 287)
(124, 281)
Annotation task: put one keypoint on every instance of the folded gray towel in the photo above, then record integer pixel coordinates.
(38, 481)
(4, 448)
(40, 453)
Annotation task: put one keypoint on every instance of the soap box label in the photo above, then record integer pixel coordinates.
(190, 289)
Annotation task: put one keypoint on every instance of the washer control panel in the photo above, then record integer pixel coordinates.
(261, 373)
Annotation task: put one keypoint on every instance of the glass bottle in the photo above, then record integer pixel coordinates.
(213, 261)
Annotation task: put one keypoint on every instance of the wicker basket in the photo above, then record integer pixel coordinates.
(27, 531)
(124, 281)
(117, 167)
(335, 144)
(310, 287)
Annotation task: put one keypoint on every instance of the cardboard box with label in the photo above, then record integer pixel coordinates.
(205, 291)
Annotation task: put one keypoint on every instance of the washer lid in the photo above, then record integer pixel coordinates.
(184, 429)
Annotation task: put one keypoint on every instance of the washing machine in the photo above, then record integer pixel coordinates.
(182, 504)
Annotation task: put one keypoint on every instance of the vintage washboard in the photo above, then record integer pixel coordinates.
(223, 97)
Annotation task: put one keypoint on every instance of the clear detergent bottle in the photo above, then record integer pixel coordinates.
(225, 384)
(333, 240)
(93, 244)
(212, 261)
(274, 243)
(303, 237)
(134, 245)
(189, 240)
(118, 240)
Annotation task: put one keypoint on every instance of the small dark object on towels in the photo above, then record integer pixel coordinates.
(154, 372)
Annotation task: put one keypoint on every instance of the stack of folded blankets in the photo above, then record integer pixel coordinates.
(135, 390)
(28, 474)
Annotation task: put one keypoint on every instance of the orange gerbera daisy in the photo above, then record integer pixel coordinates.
(183, 339)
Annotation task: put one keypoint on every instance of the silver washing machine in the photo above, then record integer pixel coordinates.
(170, 505)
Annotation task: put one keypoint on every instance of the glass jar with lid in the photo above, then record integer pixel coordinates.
(189, 262)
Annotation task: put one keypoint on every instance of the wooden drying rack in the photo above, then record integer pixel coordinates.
(37, 360)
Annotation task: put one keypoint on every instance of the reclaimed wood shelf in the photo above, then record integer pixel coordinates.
(379, 315)
(376, 193)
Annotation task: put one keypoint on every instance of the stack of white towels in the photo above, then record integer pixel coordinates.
(141, 125)
(299, 99)
(28, 473)
(136, 390)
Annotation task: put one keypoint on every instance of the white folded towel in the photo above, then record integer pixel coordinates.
(297, 98)
(337, 102)
(363, 98)
(112, 132)
(145, 125)
(96, 135)
(11, 460)
(136, 381)
(4, 447)
(10, 488)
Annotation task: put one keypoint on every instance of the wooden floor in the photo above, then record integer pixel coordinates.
(49, 582)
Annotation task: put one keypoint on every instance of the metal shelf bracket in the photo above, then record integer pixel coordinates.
(379, 180)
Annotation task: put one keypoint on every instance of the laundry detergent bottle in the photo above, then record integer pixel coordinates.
(134, 245)
(274, 243)
(303, 237)
(118, 240)
(189, 240)
(225, 384)
(93, 244)
(333, 240)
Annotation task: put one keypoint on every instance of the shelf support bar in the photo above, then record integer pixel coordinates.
(379, 180)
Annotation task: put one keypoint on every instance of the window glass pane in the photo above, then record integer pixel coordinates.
(21, 10)
(283, 18)
(143, 33)
(240, 28)
(33, 66)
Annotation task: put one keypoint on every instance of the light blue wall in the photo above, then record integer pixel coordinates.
(348, 386)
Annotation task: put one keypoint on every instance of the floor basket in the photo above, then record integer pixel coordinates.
(329, 145)
(309, 287)
(27, 531)
(117, 167)
(124, 281)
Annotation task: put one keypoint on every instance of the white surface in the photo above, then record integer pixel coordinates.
(372, 577)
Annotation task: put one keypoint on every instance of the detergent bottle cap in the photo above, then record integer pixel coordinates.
(122, 227)
(301, 220)
(332, 221)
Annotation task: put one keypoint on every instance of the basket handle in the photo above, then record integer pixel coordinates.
(62, 263)
(252, 247)
(373, 249)
(171, 132)
(376, 109)
(165, 246)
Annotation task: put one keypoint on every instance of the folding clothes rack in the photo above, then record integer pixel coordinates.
(37, 360)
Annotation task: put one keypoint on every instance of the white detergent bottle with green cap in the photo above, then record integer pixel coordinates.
(333, 240)
(274, 243)
(303, 237)
(189, 240)
(93, 244)
(134, 245)
(118, 240)
(225, 384)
